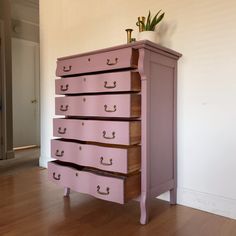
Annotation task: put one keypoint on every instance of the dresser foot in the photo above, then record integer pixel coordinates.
(173, 196)
(66, 192)
(144, 209)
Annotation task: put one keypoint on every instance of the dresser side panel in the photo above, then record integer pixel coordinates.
(162, 115)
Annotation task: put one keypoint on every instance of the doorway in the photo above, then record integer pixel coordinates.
(25, 95)
(25, 74)
(22, 68)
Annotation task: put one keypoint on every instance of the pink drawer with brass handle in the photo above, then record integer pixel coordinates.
(125, 81)
(103, 61)
(116, 105)
(122, 160)
(111, 132)
(109, 187)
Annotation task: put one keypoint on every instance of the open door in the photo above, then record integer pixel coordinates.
(25, 85)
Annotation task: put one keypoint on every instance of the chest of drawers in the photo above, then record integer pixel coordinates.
(117, 138)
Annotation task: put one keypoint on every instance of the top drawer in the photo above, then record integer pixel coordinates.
(105, 61)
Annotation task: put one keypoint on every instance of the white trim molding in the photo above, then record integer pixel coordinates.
(205, 202)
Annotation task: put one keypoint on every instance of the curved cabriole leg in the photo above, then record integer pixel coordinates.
(144, 209)
(173, 196)
(66, 192)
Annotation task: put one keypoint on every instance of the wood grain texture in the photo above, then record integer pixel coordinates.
(31, 205)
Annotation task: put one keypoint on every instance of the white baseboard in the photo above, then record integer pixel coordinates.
(204, 201)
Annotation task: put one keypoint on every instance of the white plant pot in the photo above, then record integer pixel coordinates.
(148, 35)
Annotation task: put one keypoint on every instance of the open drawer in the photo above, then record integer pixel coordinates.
(106, 186)
(95, 62)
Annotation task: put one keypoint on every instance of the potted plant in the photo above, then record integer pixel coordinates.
(147, 27)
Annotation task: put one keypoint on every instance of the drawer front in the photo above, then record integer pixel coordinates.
(103, 187)
(111, 132)
(105, 61)
(121, 160)
(110, 82)
(124, 105)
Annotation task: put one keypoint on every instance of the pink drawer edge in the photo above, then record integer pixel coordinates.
(102, 187)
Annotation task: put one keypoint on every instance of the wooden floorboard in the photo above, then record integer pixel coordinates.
(24, 160)
(31, 205)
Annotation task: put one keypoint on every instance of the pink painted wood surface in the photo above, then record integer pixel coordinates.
(158, 172)
(105, 61)
(116, 105)
(100, 157)
(108, 82)
(142, 44)
(162, 116)
(144, 57)
(157, 66)
(87, 182)
(113, 132)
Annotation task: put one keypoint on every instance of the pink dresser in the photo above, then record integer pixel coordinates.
(116, 139)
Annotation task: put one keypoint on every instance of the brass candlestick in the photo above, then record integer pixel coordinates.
(129, 38)
(140, 23)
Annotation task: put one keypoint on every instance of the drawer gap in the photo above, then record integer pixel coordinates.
(94, 170)
(134, 68)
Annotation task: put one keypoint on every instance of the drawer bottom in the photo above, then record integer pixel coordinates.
(106, 186)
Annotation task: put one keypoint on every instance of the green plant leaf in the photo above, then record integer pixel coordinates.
(160, 18)
(153, 22)
(148, 21)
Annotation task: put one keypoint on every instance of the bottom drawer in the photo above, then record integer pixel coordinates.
(110, 187)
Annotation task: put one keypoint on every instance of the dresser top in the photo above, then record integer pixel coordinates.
(136, 45)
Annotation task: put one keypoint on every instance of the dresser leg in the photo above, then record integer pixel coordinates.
(144, 209)
(173, 196)
(66, 192)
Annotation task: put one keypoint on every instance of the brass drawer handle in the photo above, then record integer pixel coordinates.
(107, 110)
(64, 108)
(64, 88)
(58, 177)
(67, 69)
(60, 130)
(109, 63)
(105, 164)
(109, 87)
(106, 137)
(59, 154)
(103, 193)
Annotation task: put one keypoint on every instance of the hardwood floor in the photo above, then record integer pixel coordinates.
(31, 205)
(24, 160)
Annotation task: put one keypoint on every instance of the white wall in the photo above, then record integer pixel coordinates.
(204, 32)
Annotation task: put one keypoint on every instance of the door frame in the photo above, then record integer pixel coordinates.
(6, 82)
(1, 90)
